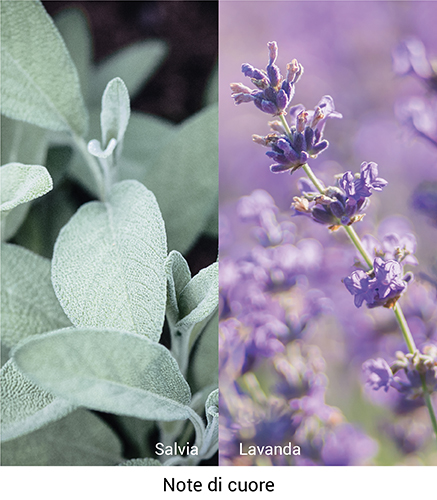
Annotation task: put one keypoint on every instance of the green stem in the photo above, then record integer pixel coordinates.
(285, 125)
(405, 329)
(428, 403)
(93, 166)
(357, 242)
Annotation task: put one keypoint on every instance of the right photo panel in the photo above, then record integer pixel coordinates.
(328, 233)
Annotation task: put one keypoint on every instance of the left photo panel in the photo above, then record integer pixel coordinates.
(109, 226)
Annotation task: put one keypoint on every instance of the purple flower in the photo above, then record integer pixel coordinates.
(393, 247)
(400, 248)
(381, 287)
(410, 57)
(343, 204)
(419, 115)
(388, 281)
(274, 92)
(378, 374)
(292, 150)
(359, 285)
(359, 187)
(348, 445)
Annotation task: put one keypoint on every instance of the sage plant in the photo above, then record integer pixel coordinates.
(88, 377)
(379, 279)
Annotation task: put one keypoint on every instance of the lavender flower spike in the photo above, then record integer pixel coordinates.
(274, 92)
(381, 287)
(291, 151)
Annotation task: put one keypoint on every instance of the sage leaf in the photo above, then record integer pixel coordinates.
(95, 148)
(115, 112)
(185, 178)
(141, 462)
(203, 366)
(134, 64)
(178, 276)
(107, 370)
(210, 443)
(21, 183)
(25, 406)
(212, 408)
(199, 299)
(22, 142)
(108, 263)
(78, 439)
(40, 84)
(73, 27)
(188, 307)
(28, 302)
(11, 221)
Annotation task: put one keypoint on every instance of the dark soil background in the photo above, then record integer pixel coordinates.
(176, 91)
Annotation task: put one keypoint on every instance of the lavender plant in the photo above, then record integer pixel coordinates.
(88, 377)
(379, 280)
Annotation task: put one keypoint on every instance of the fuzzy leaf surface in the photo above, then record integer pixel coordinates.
(199, 298)
(73, 27)
(28, 302)
(115, 111)
(22, 183)
(108, 263)
(107, 370)
(78, 439)
(184, 178)
(25, 406)
(40, 84)
(141, 462)
(203, 366)
(178, 276)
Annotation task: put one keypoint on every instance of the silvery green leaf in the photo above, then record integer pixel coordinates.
(134, 64)
(95, 148)
(46, 218)
(141, 462)
(4, 354)
(11, 221)
(203, 366)
(21, 183)
(25, 406)
(22, 142)
(210, 444)
(145, 139)
(178, 276)
(28, 303)
(40, 84)
(108, 263)
(212, 407)
(199, 299)
(80, 438)
(115, 112)
(107, 370)
(73, 27)
(185, 178)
